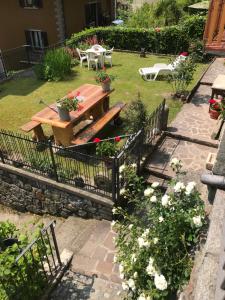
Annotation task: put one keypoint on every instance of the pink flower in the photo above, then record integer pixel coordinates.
(117, 138)
(184, 53)
(212, 101)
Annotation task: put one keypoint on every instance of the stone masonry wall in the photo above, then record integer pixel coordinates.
(24, 191)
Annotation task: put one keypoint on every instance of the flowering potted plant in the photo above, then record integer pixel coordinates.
(214, 108)
(105, 79)
(67, 104)
(107, 149)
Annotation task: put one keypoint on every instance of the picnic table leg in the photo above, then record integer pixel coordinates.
(39, 134)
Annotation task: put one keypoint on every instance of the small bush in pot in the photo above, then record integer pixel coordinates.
(105, 79)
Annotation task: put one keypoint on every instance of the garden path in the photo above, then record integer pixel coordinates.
(191, 129)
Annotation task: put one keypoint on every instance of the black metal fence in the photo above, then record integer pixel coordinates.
(63, 165)
(36, 266)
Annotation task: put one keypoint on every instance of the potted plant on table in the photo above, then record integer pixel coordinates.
(67, 104)
(105, 79)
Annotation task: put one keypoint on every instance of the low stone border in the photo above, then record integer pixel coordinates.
(25, 191)
(208, 278)
(192, 92)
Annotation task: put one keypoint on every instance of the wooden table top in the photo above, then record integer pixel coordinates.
(92, 95)
(219, 82)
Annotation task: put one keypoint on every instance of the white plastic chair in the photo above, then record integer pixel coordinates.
(108, 55)
(92, 58)
(152, 73)
(82, 56)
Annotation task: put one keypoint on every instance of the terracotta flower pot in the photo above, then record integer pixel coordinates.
(214, 114)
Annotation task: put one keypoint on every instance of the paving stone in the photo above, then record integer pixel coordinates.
(104, 267)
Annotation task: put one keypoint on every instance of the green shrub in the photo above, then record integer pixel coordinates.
(57, 64)
(167, 40)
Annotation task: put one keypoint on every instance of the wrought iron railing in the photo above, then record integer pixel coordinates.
(35, 267)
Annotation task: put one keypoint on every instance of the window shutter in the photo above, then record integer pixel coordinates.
(27, 35)
(22, 4)
(44, 38)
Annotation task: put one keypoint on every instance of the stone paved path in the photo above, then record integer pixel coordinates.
(215, 69)
(193, 120)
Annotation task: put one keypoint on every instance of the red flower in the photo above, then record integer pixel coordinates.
(117, 138)
(78, 93)
(96, 140)
(212, 101)
(184, 53)
(80, 107)
(157, 29)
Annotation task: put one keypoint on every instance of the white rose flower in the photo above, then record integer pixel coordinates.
(148, 192)
(131, 284)
(197, 221)
(179, 187)
(122, 191)
(133, 258)
(190, 187)
(155, 241)
(155, 185)
(135, 275)
(145, 233)
(115, 259)
(120, 176)
(122, 276)
(134, 166)
(125, 286)
(130, 226)
(160, 282)
(165, 200)
(161, 219)
(121, 168)
(114, 210)
(175, 161)
(121, 268)
(150, 268)
(142, 242)
(141, 297)
(153, 199)
(113, 223)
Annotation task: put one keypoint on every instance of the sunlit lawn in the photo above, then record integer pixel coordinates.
(19, 98)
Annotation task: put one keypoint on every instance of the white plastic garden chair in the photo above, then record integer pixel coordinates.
(108, 55)
(92, 58)
(97, 47)
(152, 73)
(82, 56)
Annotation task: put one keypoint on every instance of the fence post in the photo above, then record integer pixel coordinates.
(55, 243)
(53, 160)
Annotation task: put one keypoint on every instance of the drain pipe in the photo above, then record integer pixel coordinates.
(213, 183)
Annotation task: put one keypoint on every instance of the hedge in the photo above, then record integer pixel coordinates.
(167, 40)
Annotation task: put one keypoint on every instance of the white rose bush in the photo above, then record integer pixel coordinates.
(156, 235)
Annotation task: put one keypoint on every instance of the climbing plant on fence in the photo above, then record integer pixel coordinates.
(170, 39)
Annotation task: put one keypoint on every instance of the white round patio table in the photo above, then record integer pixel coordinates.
(100, 53)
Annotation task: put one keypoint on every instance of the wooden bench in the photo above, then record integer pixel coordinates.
(36, 127)
(87, 134)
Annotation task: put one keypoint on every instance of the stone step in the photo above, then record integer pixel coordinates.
(150, 178)
(76, 286)
(74, 232)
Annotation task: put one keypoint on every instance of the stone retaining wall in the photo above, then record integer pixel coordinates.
(24, 191)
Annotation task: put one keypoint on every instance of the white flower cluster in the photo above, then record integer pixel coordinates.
(155, 185)
(122, 168)
(142, 241)
(122, 191)
(148, 192)
(129, 284)
(144, 297)
(190, 188)
(179, 187)
(160, 282)
(165, 200)
(176, 163)
(197, 220)
(150, 268)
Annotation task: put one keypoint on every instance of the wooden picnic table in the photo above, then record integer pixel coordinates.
(84, 124)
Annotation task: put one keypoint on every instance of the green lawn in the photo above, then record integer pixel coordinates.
(19, 98)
